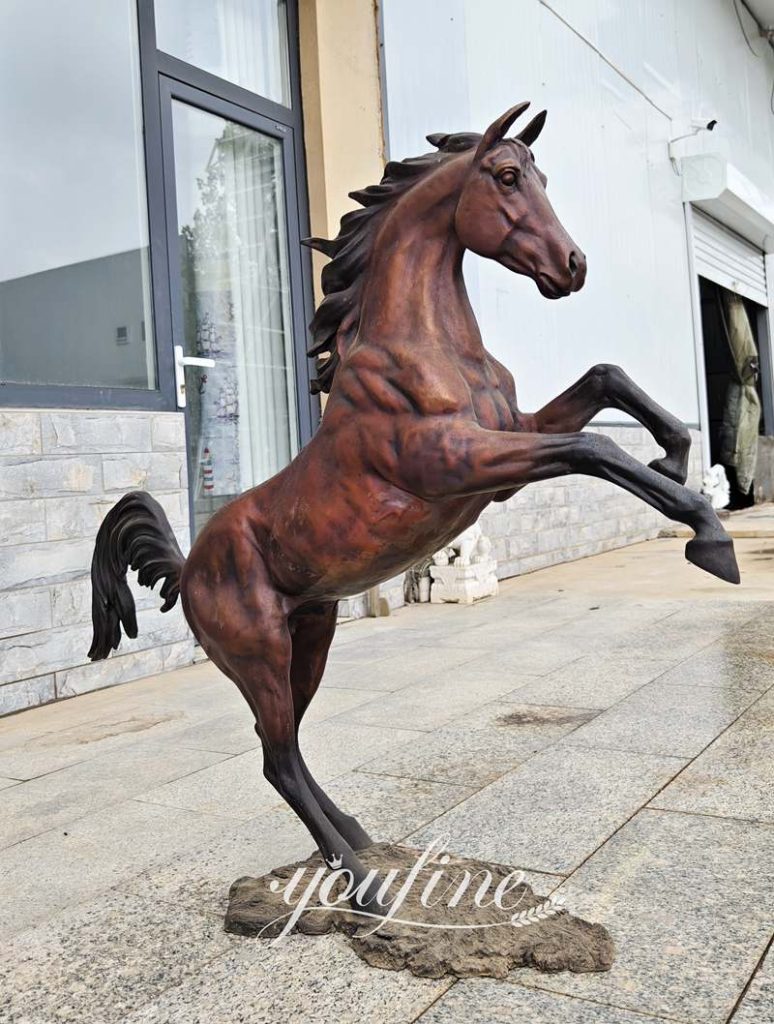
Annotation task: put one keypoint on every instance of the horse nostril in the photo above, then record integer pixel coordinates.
(573, 263)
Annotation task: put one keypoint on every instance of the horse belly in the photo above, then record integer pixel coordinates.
(371, 539)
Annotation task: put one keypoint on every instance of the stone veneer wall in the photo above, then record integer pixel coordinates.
(60, 472)
(577, 516)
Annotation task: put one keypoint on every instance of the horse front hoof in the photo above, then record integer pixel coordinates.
(715, 556)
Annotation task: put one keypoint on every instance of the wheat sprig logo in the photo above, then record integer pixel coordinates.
(534, 915)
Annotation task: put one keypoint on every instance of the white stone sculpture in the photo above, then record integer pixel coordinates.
(716, 487)
(464, 571)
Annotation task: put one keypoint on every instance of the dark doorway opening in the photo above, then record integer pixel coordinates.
(720, 371)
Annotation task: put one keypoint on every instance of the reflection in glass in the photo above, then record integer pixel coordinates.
(236, 305)
(75, 303)
(242, 41)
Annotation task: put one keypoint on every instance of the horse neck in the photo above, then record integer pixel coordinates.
(415, 289)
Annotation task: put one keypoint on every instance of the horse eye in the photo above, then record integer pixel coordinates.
(509, 178)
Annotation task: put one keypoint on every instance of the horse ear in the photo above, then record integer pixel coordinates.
(497, 129)
(533, 129)
(438, 139)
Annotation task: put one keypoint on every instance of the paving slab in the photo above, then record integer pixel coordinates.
(432, 703)
(200, 874)
(666, 717)
(391, 808)
(687, 900)
(733, 777)
(555, 810)
(81, 741)
(398, 670)
(757, 1005)
(727, 665)
(236, 787)
(491, 1002)
(62, 867)
(302, 978)
(481, 745)
(61, 797)
(592, 681)
(234, 732)
(96, 963)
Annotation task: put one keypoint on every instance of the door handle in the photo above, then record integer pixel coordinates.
(181, 361)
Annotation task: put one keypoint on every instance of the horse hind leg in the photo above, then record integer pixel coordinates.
(312, 631)
(263, 676)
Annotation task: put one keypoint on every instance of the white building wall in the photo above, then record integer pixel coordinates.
(619, 79)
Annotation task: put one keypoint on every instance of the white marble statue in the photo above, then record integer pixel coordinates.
(464, 571)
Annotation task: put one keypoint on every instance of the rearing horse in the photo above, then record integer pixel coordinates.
(421, 431)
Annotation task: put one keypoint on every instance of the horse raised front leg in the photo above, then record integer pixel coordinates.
(608, 387)
(470, 460)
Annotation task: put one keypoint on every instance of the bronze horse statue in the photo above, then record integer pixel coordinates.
(420, 432)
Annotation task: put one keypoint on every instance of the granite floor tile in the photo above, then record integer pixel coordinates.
(236, 787)
(732, 778)
(234, 732)
(62, 867)
(591, 682)
(599, 622)
(96, 963)
(20, 727)
(51, 719)
(399, 670)
(665, 717)
(390, 808)
(495, 1002)
(508, 628)
(430, 704)
(377, 647)
(199, 875)
(555, 810)
(7, 783)
(52, 751)
(533, 657)
(687, 631)
(301, 978)
(482, 745)
(726, 666)
(757, 1005)
(368, 678)
(231, 733)
(60, 798)
(687, 900)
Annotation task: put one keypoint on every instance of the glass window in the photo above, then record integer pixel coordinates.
(242, 41)
(74, 282)
(236, 305)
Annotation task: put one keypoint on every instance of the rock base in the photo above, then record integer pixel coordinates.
(439, 940)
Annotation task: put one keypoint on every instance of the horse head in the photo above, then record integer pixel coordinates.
(504, 213)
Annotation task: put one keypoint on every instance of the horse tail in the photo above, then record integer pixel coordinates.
(135, 533)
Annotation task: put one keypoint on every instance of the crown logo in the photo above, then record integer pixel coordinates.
(334, 863)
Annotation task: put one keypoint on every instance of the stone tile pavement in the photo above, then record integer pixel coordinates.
(606, 725)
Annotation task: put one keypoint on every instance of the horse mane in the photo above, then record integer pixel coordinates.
(336, 320)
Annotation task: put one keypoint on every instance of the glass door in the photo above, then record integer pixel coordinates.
(233, 257)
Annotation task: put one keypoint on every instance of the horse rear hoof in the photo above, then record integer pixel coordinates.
(714, 556)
